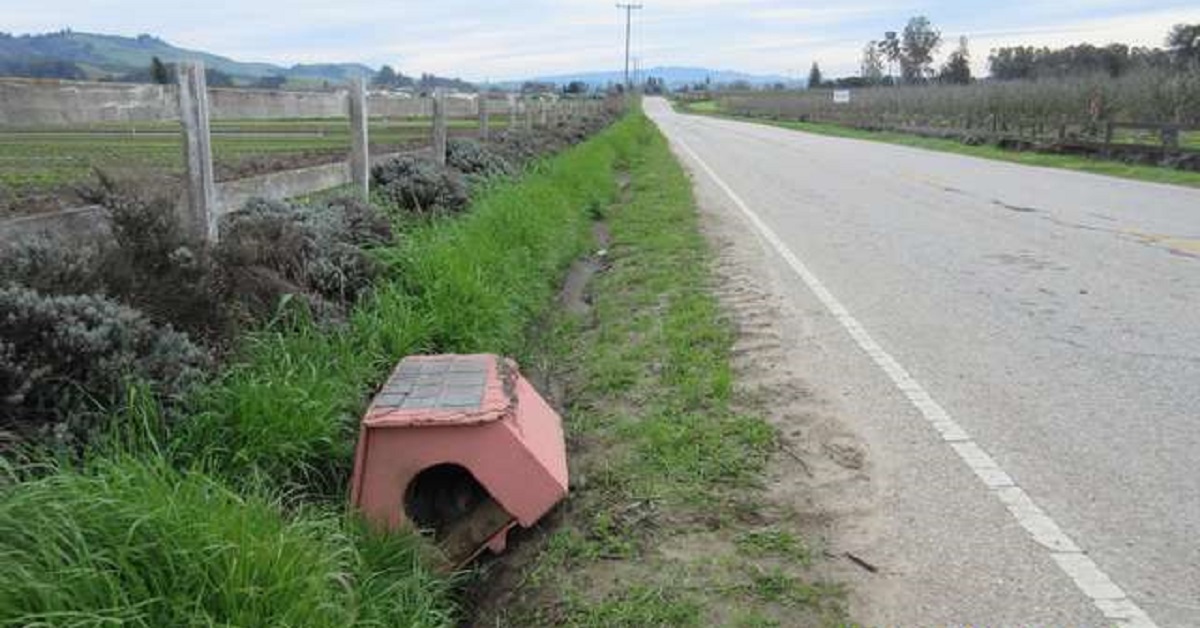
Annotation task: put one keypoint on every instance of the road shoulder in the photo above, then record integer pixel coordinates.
(685, 509)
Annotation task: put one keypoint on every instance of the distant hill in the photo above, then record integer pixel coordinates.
(68, 54)
(672, 76)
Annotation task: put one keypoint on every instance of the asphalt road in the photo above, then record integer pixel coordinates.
(1054, 316)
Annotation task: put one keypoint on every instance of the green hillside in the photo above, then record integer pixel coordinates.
(69, 54)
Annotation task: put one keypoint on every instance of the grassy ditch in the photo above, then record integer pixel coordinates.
(288, 411)
(668, 522)
(1112, 168)
(233, 513)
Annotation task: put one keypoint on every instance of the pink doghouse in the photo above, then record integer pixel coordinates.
(462, 444)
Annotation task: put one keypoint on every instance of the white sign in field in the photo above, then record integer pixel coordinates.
(841, 96)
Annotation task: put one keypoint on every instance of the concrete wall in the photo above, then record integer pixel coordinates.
(79, 224)
(257, 104)
(32, 102)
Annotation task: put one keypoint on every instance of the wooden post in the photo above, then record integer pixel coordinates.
(1108, 137)
(484, 131)
(200, 220)
(1170, 137)
(439, 127)
(360, 157)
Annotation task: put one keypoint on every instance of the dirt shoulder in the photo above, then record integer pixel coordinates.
(693, 490)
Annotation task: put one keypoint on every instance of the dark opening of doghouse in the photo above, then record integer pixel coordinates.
(442, 495)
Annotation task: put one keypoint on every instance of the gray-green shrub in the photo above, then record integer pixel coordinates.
(272, 248)
(420, 186)
(475, 160)
(64, 358)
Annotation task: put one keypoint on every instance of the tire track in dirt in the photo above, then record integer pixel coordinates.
(821, 479)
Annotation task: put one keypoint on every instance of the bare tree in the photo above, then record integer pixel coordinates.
(872, 64)
(889, 47)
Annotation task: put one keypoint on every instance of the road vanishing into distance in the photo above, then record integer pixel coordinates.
(1018, 349)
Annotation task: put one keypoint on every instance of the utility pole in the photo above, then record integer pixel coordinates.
(629, 8)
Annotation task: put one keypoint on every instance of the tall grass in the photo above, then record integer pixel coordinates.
(288, 412)
(237, 517)
(134, 542)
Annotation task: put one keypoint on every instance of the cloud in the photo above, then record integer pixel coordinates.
(479, 40)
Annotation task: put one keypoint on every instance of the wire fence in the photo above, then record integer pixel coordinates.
(54, 135)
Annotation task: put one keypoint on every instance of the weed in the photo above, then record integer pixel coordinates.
(635, 607)
(772, 542)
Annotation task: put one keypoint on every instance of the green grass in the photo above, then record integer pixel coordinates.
(772, 542)
(634, 607)
(704, 106)
(235, 514)
(663, 455)
(135, 543)
(1112, 168)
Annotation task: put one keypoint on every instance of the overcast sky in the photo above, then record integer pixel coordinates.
(497, 40)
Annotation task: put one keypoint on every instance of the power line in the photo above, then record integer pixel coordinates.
(629, 8)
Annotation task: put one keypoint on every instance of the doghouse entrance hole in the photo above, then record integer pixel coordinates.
(442, 495)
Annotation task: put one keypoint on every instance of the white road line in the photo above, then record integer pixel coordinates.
(1109, 598)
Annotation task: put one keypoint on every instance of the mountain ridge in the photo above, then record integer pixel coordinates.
(673, 76)
(103, 56)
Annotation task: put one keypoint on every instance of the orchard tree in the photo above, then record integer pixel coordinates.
(919, 42)
(889, 47)
(872, 64)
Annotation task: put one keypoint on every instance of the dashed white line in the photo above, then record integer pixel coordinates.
(1105, 594)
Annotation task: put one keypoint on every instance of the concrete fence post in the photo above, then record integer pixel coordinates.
(513, 119)
(199, 218)
(484, 130)
(527, 113)
(439, 127)
(543, 114)
(360, 156)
